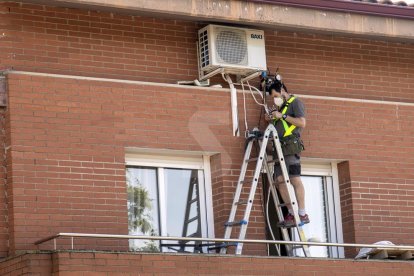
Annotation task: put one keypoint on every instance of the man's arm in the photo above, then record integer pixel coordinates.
(299, 122)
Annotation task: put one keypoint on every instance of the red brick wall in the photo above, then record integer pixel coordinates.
(4, 231)
(67, 152)
(74, 263)
(347, 207)
(68, 136)
(27, 264)
(81, 42)
(50, 39)
(373, 138)
(221, 265)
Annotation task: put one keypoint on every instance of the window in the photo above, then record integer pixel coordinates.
(168, 195)
(322, 202)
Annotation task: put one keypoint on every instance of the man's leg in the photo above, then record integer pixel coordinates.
(294, 170)
(299, 191)
(300, 198)
(297, 186)
(281, 186)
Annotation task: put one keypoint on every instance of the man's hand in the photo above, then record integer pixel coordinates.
(277, 115)
(268, 117)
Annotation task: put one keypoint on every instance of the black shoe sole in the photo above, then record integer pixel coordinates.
(283, 225)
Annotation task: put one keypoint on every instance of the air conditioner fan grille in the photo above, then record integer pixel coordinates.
(231, 47)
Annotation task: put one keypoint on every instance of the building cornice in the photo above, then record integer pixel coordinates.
(297, 16)
(358, 7)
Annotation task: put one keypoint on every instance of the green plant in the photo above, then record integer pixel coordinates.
(139, 213)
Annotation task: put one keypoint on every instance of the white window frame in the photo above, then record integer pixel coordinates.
(317, 167)
(162, 160)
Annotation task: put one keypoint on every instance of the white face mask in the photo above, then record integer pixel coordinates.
(278, 101)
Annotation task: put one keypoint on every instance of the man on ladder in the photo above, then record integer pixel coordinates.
(289, 120)
(291, 115)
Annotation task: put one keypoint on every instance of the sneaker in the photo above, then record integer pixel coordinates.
(304, 219)
(290, 220)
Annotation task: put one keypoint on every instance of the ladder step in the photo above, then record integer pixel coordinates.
(193, 200)
(223, 245)
(192, 219)
(235, 223)
(189, 236)
(193, 235)
(248, 180)
(281, 225)
(252, 159)
(242, 202)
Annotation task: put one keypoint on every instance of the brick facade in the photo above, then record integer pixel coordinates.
(49, 39)
(4, 231)
(98, 263)
(66, 137)
(27, 264)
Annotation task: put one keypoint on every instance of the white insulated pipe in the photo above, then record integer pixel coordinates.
(234, 110)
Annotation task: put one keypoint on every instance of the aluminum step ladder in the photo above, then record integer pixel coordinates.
(191, 220)
(262, 163)
(193, 202)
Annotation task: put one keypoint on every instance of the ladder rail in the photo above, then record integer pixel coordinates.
(270, 180)
(193, 186)
(292, 197)
(255, 180)
(237, 194)
(270, 134)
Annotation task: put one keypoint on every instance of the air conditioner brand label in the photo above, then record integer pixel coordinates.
(256, 36)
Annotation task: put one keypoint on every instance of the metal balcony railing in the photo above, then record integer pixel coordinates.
(214, 241)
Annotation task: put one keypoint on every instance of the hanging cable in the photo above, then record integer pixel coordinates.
(245, 110)
(254, 98)
(252, 93)
(268, 221)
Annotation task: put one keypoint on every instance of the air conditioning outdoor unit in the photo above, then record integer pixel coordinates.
(237, 50)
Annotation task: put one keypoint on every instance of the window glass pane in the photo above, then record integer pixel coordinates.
(182, 205)
(315, 203)
(142, 207)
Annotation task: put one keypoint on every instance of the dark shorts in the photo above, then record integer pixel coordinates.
(292, 165)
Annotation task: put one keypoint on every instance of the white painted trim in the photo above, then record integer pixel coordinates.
(166, 161)
(338, 215)
(208, 197)
(316, 166)
(162, 159)
(202, 202)
(168, 152)
(326, 98)
(9, 72)
(197, 87)
(321, 167)
(178, 165)
(162, 201)
(332, 233)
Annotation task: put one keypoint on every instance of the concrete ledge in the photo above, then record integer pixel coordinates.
(257, 14)
(224, 90)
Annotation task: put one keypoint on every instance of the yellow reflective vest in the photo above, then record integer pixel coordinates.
(288, 127)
